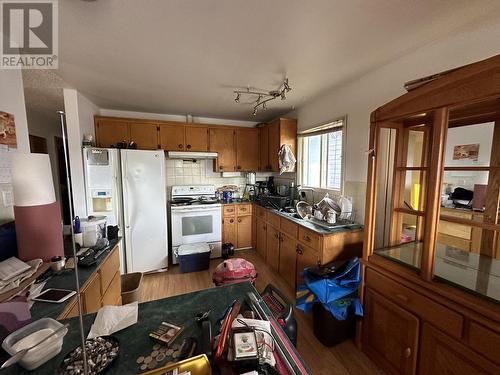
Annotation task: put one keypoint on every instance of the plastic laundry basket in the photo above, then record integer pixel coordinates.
(131, 287)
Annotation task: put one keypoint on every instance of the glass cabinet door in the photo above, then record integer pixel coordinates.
(402, 155)
(467, 253)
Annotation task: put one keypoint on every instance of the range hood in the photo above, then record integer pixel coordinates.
(191, 155)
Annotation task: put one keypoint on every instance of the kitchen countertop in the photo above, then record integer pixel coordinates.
(307, 224)
(66, 280)
(135, 341)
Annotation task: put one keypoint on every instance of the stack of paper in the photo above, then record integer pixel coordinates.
(14, 271)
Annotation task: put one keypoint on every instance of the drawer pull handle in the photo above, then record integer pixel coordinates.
(188, 147)
(239, 220)
(402, 297)
(407, 352)
(231, 221)
(243, 209)
(230, 209)
(180, 146)
(221, 167)
(307, 238)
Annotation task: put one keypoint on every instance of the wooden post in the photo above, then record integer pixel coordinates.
(433, 203)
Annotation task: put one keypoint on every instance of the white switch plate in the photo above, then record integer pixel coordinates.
(7, 198)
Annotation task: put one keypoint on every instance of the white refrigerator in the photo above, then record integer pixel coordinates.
(128, 187)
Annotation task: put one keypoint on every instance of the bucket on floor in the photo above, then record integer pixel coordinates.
(131, 287)
(194, 257)
(329, 330)
(233, 271)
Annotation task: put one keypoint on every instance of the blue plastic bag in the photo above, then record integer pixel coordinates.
(337, 293)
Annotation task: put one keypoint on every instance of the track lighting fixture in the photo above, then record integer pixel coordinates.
(263, 97)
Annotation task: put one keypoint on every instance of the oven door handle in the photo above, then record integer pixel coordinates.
(196, 210)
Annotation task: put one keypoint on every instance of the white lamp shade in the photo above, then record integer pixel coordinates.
(32, 179)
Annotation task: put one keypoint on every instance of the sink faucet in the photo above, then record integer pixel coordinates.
(300, 189)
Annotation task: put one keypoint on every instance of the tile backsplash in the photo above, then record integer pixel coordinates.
(199, 172)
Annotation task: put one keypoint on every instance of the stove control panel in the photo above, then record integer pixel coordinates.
(183, 190)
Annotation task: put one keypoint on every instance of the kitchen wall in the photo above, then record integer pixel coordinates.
(359, 97)
(481, 134)
(12, 101)
(47, 128)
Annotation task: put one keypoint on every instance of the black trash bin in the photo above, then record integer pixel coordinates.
(330, 331)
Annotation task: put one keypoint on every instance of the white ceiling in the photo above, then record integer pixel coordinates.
(186, 56)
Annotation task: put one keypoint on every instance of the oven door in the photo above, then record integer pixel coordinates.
(191, 224)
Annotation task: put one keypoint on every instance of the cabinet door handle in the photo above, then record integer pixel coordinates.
(276, 235)
(221, 167)
(307, 238)
(239, 220)
(243, 209)
(188, 147)
(264, 227)
(298, 250)
(231, 221)
(180, 146)
(282, 238)
(407, 352)
(238, 167)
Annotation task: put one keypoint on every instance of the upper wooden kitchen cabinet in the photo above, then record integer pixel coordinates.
(222, 141)
(196, 137)
(279, 132)
(172, 136)
(110, 131)
(264, 148)
(145, 135)
(247, 150)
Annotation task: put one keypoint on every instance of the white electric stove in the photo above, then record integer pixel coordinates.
(195, 216)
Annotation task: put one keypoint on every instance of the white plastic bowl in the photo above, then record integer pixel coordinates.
(31, 334)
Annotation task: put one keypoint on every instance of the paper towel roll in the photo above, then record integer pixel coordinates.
(32, 179)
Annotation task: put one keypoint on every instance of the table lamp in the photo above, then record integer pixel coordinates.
(36, 212)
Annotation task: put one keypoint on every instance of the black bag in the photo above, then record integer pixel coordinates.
(462, 194)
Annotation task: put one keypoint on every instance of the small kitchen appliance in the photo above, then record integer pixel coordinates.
(195, 217)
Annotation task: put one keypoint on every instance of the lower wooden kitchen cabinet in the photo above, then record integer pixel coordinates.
(288, 259)
(440, 354)
(289, 247)
(102, 288)
(237, 225)
(391, 334)
(261, 237)
(273, 247)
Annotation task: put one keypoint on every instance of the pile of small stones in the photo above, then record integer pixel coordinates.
(100, 353)
(158, 355)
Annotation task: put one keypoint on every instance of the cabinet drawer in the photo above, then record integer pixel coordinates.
(114, 291)
(228, 210)
(309, 238)
(108, 269)
(445, 319)
(273, 219)
(485, 341)
(243, 209)
(289, 227)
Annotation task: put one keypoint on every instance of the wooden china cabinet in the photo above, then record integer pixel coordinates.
(431, 267)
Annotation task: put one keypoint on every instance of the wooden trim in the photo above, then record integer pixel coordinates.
(471, 223)
(433, 203)
(471, 83)
(404, 169)
(479, 169)
(410, 212)
(371, 193)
